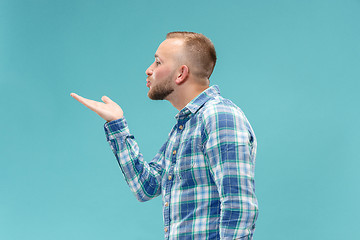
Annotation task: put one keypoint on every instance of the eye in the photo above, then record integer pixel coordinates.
(157, 61)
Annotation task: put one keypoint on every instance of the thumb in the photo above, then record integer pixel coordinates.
(106, 99)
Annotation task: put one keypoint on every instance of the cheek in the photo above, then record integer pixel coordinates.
(162, 72)
(158, 76)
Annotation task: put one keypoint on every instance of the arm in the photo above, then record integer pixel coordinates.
(229, 148)
(144, 179)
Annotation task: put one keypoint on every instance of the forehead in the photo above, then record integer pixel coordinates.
(169, 48)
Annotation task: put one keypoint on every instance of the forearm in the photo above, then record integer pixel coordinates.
(239, 212)
(235, 181)
(143, 180)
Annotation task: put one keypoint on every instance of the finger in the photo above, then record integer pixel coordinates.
(79, 98)
(87, 102)
(106, 99)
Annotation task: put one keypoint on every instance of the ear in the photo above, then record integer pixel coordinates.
(182, 74)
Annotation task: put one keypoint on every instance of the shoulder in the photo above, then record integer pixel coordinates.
(220, 108)
(220, 112)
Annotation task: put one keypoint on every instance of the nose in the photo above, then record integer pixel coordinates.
(149, 71)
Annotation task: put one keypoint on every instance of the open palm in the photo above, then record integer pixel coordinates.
(107, 109)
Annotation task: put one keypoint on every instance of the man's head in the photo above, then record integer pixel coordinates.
(198, 52)
(181, 57)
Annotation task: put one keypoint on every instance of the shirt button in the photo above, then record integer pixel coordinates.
(181, 127)
(169, 177)
(166, 229)
(166, 204)
(174, 152)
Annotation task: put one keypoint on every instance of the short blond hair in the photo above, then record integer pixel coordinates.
(200, 51)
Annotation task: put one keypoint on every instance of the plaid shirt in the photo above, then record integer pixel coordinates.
(204, 171)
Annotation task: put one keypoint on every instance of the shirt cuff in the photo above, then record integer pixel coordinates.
(116, 128)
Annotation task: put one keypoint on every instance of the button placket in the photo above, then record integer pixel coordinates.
(167, 198)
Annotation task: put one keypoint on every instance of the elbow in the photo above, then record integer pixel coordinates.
(143, 196)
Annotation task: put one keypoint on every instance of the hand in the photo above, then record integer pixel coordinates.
(108, 110)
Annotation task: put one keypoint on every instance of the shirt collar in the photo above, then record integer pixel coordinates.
(194, 105)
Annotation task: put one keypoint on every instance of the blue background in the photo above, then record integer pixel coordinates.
(292, 66)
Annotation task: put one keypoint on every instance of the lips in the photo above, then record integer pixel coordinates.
(148, 83)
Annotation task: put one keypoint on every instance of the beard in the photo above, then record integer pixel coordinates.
(161, 90)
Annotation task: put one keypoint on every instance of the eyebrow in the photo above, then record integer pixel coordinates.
(157, 56)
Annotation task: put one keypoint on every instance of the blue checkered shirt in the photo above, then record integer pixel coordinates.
(204, 171)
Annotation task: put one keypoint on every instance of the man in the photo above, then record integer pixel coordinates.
(205, 170)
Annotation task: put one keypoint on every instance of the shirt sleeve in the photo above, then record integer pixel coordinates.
(230, 148)
(143, 178)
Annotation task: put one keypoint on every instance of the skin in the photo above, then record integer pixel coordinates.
(169, 77)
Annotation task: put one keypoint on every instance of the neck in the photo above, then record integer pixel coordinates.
(184, 94)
